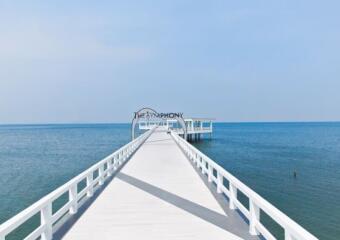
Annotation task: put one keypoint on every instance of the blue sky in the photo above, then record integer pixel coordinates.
(98, 61)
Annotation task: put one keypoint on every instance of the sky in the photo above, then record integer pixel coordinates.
(99, 61)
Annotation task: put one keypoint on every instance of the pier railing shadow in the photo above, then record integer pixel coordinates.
(222, 221)
(71, 220)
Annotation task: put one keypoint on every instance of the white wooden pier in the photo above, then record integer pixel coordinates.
(157, 195)
(156, 187)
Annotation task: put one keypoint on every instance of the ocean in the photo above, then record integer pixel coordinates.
(36, 159)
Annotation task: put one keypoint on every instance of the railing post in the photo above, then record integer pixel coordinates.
(288, 235)
(115, 162)
(122, 157)
(219, 182)
(232, 196)
(89, 180)
(202, 165)
(109, 167)
(101, 174)
(45, 219)
(73, 199)
(187, 152)
(210, 173)
(254, 217)
(120, 160)
(197, 160)
(191, 156)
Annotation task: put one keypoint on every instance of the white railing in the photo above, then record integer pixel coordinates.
(195, 129)
(200, 129)
(105, 168)
(292, 230)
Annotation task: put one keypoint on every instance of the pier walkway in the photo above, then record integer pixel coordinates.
(158, 195)
(158, 186)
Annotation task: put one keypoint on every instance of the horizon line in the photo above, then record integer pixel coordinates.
(107, 123)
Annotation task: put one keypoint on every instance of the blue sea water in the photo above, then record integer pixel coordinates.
(36, 159)
(265, 155)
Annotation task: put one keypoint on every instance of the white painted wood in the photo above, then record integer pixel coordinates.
(46, 221)
(189, 122)
(288, 235)
(210, 173)
(292, 229)
(157, 195)
(109, 167)
(73, 199)
(232, 196)
(101, 174)
(202, 166)
(254, 218)
(70, 188)
(89, 180)
(219, 182)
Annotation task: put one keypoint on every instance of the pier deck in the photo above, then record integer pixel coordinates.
(158, 195)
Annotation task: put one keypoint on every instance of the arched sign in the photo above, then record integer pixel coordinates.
(144, 113)
(149, 113)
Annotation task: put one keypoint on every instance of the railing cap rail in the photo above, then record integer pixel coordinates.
(285, 221)
(12, 223)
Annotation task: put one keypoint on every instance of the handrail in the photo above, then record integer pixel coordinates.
(106, 168)
(292, 230)
(193, 129)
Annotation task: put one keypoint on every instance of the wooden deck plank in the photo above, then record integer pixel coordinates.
(157, 195)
